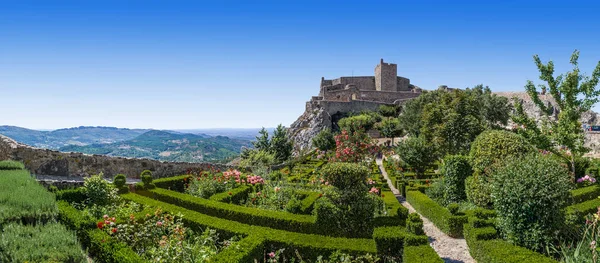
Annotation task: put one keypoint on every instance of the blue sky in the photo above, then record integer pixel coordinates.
(207, 64)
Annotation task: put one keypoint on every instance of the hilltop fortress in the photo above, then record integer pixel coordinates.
(338, 97)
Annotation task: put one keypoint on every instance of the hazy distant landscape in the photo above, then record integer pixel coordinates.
(177, 146)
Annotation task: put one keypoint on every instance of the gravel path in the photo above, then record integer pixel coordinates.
(452, 250)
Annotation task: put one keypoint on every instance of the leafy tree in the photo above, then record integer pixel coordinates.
(494, 146)
(390, 128)
(262, 140)
(280, 144)
(362, 122)
(258, 158)
(324, 140)
(455, 170)
(452, 119)
(389, 110)
(415, 152)
(574, 93)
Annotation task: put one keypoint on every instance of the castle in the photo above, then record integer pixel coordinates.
(341, 96)
(384, 87)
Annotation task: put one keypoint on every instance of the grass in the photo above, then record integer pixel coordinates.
(11, 165)
(23, 199)
(42, 243)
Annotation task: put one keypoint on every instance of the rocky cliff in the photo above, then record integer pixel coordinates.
(48, 162)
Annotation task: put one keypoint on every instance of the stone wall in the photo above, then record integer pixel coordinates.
(369, 95)
(361, 82)
(47, 162)
(386, 77)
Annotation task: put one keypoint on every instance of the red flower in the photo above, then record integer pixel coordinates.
(320, 195)
(114, 230)
(100, 225)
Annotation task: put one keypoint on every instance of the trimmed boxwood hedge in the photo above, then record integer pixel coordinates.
(248, 215)
(175, 183)
(308, 202)
(76, 195)
(233, 195)
(245, 250)
(585, 194)
(485, 247)
(308, 245)
(11, 165)
(440, 216)
(421, 254)
(585, 208)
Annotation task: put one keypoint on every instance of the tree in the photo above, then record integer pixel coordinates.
(389, 110)
(390, 128)
(324, 140)
(353, 146)
(362, 122)
(574, 93)
(280, 144)
(262, 140)
(415, 152)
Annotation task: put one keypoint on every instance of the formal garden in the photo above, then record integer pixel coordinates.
(470, 162)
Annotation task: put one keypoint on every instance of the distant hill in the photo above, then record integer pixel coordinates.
(168, 146)
(235, 133)
(72, 136)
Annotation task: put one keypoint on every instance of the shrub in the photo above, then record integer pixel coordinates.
(440, 216)
(529, 194)
(11, 165)
(119, 180)
(455, 170)
(414, 224)
(421, 254)
(40, 243)
(175, 183)
(345, 175)
(361, 122)
(453, 208)
(478, 190)
(586, 193)
(493, 147)
(147, 179)
(23, 199)
(324, 140)
(417, 153)
(389, 241)
(99, 191)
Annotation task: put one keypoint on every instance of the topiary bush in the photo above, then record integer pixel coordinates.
(119, 181)
(414, 224)
(455, 170)
(494, 146)
(477, 188)
(347, 209)
(99, 191)
(146, 180)
(528, 195)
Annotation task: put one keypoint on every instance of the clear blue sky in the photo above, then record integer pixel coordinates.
(203, 64)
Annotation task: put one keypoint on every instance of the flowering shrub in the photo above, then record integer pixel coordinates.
(274, 197)
(162, 237)
(99, 191)
(206, 184)
(353, 147)
(587, 180)
(335, 257)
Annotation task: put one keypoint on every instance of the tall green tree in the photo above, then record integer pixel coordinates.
(574, 93)
(281, 145)
(262, 140)
(324, 140)
(390, 128)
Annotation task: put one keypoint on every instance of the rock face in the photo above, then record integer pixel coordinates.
(48, 162)
(592, 139)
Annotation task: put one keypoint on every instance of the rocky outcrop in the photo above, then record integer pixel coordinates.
(307, 126)
(48, 162)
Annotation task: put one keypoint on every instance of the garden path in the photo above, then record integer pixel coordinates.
(451, 250)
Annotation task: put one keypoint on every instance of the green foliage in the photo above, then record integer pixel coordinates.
(455, 170)
(417, 153)
(389, 128)
(99, 191)
(440, 216)
(234, 195)
(175, 183)
(493, 147)
(389, 110)
(245, 250)
(389, 241)
(451, 120)
(119, 180)
(529, 194)
(23, 199)
(346, 175)
(362, 122)
(414, 224)
(324, 140)
(281, 146)
(574, 94)
(11, 165)
(421, 254)
(41, 243)
(478, 190)
(262, 140)
(258, 158)
(584, 194)
(76, 195)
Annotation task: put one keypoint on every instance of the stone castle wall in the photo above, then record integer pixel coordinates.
(371, 95)
(386, 77)
(48, 162)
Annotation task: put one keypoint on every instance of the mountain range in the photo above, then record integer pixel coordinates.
(137, 143)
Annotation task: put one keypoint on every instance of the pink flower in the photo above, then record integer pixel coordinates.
(374, 190)
(272, 254)
(105, 217)
(159, 223)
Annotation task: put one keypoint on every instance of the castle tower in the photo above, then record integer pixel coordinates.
(386, 76)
